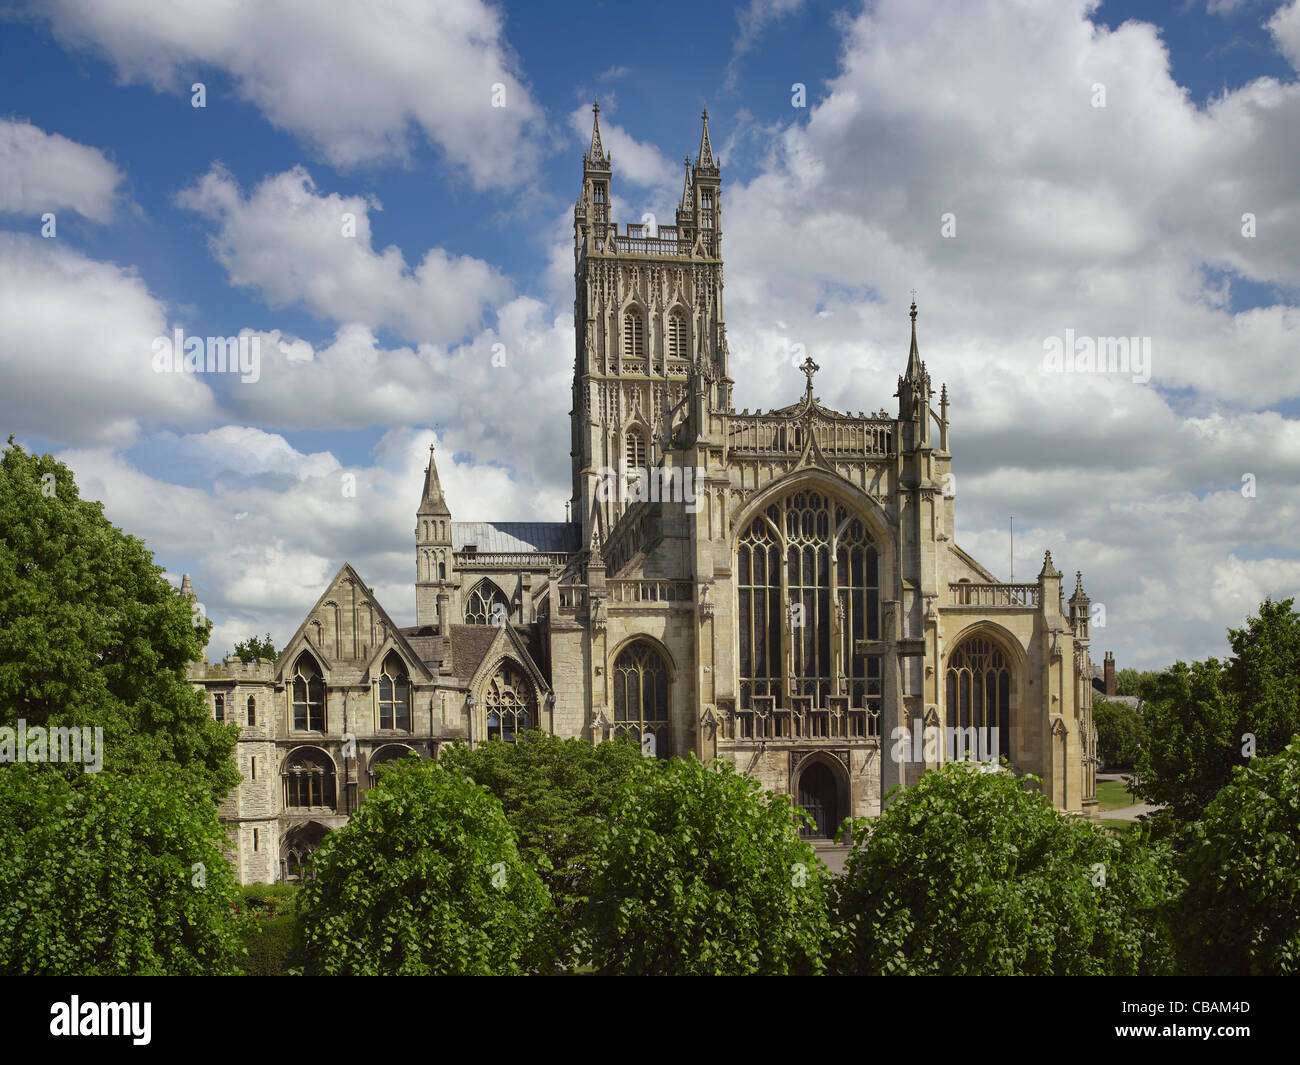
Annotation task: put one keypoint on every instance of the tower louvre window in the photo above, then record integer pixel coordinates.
(677, 346)
(635, 451)
(633, 334)
(600, 201)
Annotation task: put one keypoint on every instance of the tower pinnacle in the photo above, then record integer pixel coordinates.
(706, 160)
(596, 153)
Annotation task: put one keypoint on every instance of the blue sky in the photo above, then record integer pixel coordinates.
(1121, 220)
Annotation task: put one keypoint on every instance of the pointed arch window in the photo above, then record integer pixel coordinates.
(808, 590)
(486, 605)
(978, 690)
(252, 711)
(641, 697)
(636, 450)
(510, 701)
(678, 345)
(633, 333)
(308, 696)
(309, 781)
(219, 707)
(394, 695)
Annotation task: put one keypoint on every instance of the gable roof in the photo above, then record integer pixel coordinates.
(345, 572)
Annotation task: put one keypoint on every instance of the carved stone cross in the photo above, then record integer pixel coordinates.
(809, 367)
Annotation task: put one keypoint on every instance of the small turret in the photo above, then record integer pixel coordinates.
(434, 559)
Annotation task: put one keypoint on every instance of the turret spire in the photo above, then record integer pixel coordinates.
(914, 367)
(596, 153)
(432, 500)
(688, 201)
(706, 160)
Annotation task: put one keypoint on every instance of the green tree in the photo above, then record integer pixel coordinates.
(1207, 718)
(701, 872)
(557, 794)
(424, 880)
(254, 648)
(109, 874)
(969, 873)
(1241, 911)
(91, 633)
(1120, 732)
(1133, 682)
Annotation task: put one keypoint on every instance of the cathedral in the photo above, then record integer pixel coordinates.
(780, 589)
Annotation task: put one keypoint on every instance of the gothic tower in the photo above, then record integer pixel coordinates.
(434, 560)
(647, 317)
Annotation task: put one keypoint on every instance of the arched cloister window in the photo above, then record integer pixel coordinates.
(297, 849)
(252, 711)
(481, 602)
(510, 701)
(308, 695)
(394, 695)
(384, 756)
(633, 333)
(309, 781)
(678, 344)
(808, 579)
(978, 695)
(641, 697)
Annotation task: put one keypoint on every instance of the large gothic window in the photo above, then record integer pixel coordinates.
(808, 576)
(511, 703)
(394, 695)
(633, 334)
(309, 781)
(677, 343)
(641, 697)
(308, 695)
(481, 604)
(979, 694)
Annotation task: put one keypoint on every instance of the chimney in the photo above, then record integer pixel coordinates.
(1108, 673)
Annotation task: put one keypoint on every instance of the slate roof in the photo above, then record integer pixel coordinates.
(514, 537)
(469, 646)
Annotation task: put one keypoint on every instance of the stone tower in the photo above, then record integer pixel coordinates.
(647, 314)
(434, 560)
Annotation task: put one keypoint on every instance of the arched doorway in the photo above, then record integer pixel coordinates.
(819, 797)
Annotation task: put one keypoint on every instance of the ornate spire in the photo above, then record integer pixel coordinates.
(596, 153)
(1048, 569)
(706, 161)
(915, 368)
(688, 201)
(1079, 596)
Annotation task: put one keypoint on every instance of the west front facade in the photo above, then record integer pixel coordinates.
(780, 589)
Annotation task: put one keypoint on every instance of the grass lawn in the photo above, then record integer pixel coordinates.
(1112, 795)
(1117, 826)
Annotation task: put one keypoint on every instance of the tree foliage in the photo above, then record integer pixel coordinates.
(91, 633)
(701, 872)
(425, 879)
(1120, 732)
(557, 795)
(1241, 910)
(1204, 719)
(110, 874)
(969, 873)
(256, 648)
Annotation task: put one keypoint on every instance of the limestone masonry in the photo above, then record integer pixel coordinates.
(779, 589)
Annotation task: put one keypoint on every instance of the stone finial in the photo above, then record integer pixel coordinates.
(1048, 569)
